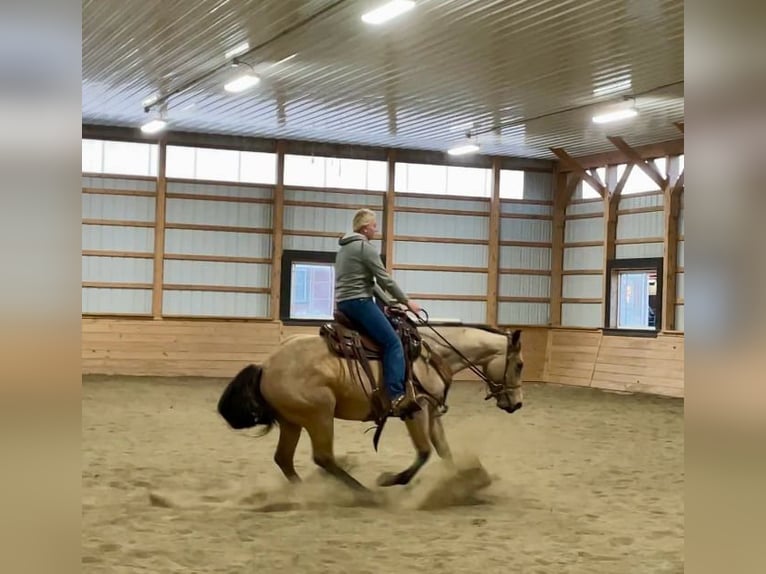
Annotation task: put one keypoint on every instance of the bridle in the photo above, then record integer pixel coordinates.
(494, 389)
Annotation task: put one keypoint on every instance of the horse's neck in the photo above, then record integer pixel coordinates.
(476, 345)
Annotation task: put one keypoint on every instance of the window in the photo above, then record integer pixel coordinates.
(511, 184)
(119, 158)
(634, 297)
(342, 173)
(443, 180)
(221, 165)
(308, 286)
(638, 181)
(588, 191)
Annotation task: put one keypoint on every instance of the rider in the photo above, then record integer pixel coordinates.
(357, 268)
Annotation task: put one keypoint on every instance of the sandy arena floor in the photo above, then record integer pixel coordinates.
(581, 481)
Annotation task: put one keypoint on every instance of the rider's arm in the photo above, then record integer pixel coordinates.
(386, 282)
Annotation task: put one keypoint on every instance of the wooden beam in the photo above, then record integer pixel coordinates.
(670, 246)
(649, 168)
(571, 182)
(597, 177)
(651, 151)
(278, 213)
(679, 185)
(561, 195)
(159, 231)
(494, 246)
(389, 211)
(679, 125)
(573, 164)
(611, 202)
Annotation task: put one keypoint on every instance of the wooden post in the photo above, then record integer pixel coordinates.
(562, 191)
(493, 265)
(159, 232)
(389, 212)
(611, 203)
(672, 196)
(278, 212)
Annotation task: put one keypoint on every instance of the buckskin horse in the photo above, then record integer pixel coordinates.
(306, 383)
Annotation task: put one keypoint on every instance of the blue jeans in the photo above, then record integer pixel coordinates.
(370, 320)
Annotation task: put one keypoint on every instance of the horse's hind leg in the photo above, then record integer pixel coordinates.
(418, 429)
(321, 432)
(289, 434)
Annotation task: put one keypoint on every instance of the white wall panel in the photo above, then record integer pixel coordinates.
(577, 230)
(525, 257)
(222, 190)
(628, 202)
(117, 207)
(417, 253)
(679, 317)
(538, 185)
(134, 301)
(320, 219)
(581, 315)
(585, 208)
(465, 311)
(446, 226)
(640, 225)
(680, 253)
(532, 230)
(218, 213)
(524, 286)
(583, 258)
(639, 250)
(525, 209)
(117, 270)
(523, 314)
(680, 285)
(438, 203)
(226, 243)
(582, 286)
(681, 222)
(374, 202)
(442, 282)
(303, 243)
(217, 273)
(215, 304)
(116, 183)
(112, 238)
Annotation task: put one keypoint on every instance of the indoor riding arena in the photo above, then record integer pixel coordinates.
(525, 164)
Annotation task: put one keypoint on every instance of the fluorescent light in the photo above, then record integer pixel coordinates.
(242, 83)
(150, 100)
(388, 11)
(154, 126)
(237, 50)
(464, 149)
(615, 116)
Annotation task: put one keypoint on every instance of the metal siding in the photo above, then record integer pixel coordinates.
(218, 213)
(641, 225)
(680, 285)
(583, 208)
(680, 318)
(577, 230)
(525, 257)
(442, 282)
(111, 238)
(134, 301)
(117, 270)
(583, 258)
(582, 286)
(225, 243)
(217, 273)
(466, 311)
(117, 207)
(639, 250)
(304, 243)
(319, 219)
(215, 304)
(538, 185)
(524, 286)
(374, 202)
(681, 222)
(681, 253)
(629, 202)
(116, 183)
(416, 253)
(532, 230)
(438, 203)
(525, 209)
(581, 315)
(523, 313)
(222, 190)
(444, 226)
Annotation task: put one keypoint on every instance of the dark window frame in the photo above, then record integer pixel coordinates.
(655, 264)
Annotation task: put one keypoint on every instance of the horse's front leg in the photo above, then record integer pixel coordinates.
(438, 437)
(418, 429)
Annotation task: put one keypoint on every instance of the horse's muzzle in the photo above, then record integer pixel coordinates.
(512, 408)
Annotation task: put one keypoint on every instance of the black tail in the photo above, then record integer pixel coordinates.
(242, 405)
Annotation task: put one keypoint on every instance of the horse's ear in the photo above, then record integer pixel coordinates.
(516, 339)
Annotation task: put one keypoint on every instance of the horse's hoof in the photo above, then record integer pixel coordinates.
(388, 479)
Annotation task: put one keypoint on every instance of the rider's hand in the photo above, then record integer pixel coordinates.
(414, 307)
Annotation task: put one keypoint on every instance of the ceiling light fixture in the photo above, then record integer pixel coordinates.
(241, 83)
(150, 100)
(388, 12)
(615, 116)
(237, 50)
(154, 126)
(464, 149)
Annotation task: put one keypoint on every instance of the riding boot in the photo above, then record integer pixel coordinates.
(403, 406)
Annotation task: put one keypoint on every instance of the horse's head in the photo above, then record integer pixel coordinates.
(505, 375)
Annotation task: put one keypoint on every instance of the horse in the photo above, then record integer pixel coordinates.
(303, 385)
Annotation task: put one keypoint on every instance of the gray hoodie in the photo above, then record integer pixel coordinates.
(358, 267)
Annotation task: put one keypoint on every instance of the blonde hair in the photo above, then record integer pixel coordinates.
(363, 217)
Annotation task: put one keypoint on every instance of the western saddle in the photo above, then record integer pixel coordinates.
(345, 341)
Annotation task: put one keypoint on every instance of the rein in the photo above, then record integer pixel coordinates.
(495, 389)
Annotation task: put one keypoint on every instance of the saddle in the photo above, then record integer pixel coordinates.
(345, 341)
